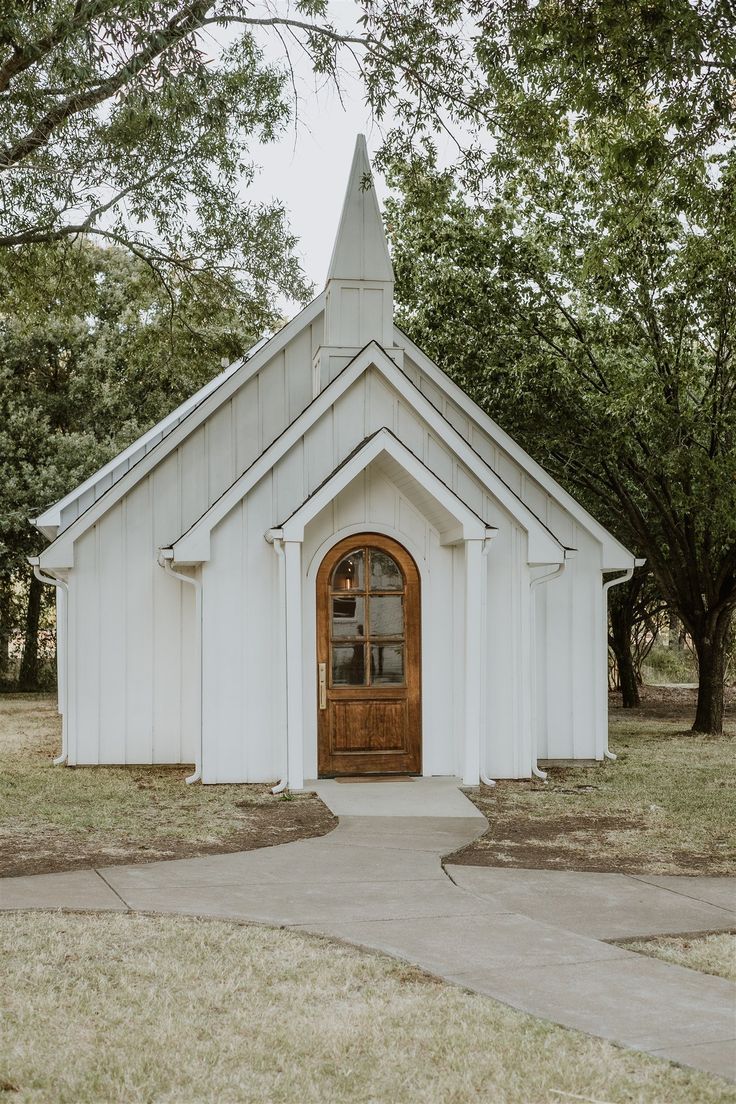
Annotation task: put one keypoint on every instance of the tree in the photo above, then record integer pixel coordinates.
(593, 312)
(93, 351)
(135, 120)
(635, 619)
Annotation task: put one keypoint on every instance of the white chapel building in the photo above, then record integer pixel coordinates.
(330, 561)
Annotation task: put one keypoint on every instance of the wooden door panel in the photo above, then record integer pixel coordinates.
(368, 640)
(370, 725)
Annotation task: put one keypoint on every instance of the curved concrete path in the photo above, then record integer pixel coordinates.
(533, 939)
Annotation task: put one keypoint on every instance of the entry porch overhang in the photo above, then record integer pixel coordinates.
(456, 522)
(454, 519)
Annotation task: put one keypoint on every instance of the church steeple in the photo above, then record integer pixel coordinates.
(360, 279)
(360, 251)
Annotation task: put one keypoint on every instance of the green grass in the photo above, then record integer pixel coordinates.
(664, 665)
(139, 1009)
(57, 817)
(666, 806)
(711, 954)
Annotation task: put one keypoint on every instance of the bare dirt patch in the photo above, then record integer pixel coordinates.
(666, 806)
(55, 818)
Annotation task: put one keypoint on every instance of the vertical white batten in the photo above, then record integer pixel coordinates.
(278, 547)
(294, 737)
(62, 606)
(484, 776)
(289, 553)
(533, 703)
(165, 561)
(474, 581)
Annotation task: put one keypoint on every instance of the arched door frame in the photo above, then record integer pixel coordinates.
(309, 617)
(380, 719)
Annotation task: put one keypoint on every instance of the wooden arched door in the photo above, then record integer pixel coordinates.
(368, 661)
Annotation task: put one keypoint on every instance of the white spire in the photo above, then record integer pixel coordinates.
(360, 251)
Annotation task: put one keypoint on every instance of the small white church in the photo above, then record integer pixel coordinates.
(330, 561)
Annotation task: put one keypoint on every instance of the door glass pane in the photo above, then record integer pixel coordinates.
(349, 573)
(385, 573)
(348, 616)
(348, 665)
(387, 615)
(387, 664)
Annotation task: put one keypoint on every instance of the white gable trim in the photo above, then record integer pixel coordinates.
(193, 546)
(467, 524)
(158, 441)
(615, 554)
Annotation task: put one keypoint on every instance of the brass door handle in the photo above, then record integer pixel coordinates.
(322, 668)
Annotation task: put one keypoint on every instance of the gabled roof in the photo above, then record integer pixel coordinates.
(614, 553)
(194, 545)
(360, 251)
(142, 456)
(49, 521)
(454, 519)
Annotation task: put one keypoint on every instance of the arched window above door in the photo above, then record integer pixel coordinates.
(367, 619)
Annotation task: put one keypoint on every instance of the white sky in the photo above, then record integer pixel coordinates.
(308, 172)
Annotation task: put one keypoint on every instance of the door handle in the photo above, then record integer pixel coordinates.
(322, 668)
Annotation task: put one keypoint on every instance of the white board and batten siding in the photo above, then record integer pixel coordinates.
(241, 611)
(132, 680)
(135, 657)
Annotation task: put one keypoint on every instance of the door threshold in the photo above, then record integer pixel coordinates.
(375, 778)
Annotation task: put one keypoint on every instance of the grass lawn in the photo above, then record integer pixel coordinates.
(666, 806)
(133, 1008)
(52, 818)
(711, 954)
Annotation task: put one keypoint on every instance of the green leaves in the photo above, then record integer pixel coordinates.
(94, 349)
(577, 276)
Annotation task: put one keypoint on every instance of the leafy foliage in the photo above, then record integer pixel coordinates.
(93, 351)
(585, 294)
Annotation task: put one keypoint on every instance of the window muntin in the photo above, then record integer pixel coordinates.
(367, 623)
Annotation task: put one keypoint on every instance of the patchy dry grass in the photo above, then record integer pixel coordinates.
(711, 954)
(132, 1008)
(666, 806)
(53, 818)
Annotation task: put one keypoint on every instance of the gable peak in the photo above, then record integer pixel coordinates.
(360, 251)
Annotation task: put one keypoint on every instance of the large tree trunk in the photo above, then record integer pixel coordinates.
(28, 679)
(677, 635)
(622, 620)
(622, 602)
(710, 646)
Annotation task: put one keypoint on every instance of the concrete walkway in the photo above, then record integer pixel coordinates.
(533, 939)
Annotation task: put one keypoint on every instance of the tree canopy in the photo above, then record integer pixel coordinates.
(93, 351)
(584, 292)
(137, 121)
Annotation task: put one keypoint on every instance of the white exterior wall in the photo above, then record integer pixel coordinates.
(570, 658)
(244, 735)
(132, 675)
(570, 649)
(131, 627)
(132, 654)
